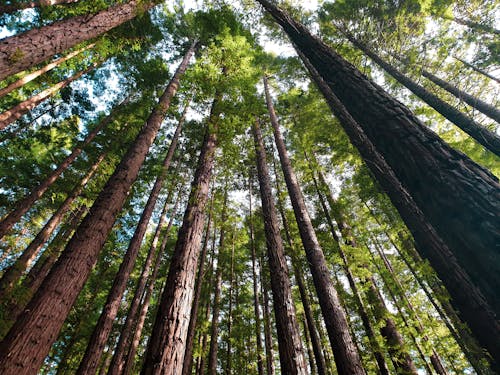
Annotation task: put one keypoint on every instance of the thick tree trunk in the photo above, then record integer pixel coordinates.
(256, 299)
(481, 134)
(16, 112)
(290, 346)
(23, 51)
(92, 356)
(12, 8)
(12, 274)
(29, 340)
(346, 356)
(439, 178)
(37, 73)
(165, 352)
(476, 69)
(467, 298)
(187, 368)
(25, 204)
(146, 300)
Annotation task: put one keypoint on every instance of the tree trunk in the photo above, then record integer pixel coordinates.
(467, 298)
(230, 311)
(25, 50)
(12, 274)
(310, 353)
(16, 112)
(12, 8)
(29, 340)
(256, 299)
(37, 73)
(481, 134)
(289, 343)
(146, 300)
(92, 356)
(346, 356)
(165, 352)
(187, 368)
(267, 329)
(476, 69)
(476, 26)
(25, 204)
(439, 178)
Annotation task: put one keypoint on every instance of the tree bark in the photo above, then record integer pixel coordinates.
(290, 346)
(29, 340)
(93, 353)
(25, 204)
(476, 69)
(165, 352)
(346, 355)
(439, 178)
(12, 274)
(482, 135)
(16, 112)
(467, 298)
(228, 370)
(12, 8)
(310, 353)
(23, 51)
(267, 328)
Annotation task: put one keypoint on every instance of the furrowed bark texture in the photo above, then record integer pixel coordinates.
(459, 198)
(346, 355)
(25, 204)
(30, 339)
(11, 8)
(23, 51)
(289, 343)
(93, 353)
(472, 305)
(165, 352)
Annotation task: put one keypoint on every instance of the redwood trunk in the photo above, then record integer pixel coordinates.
(30, 339)
(93, 353)
(481, 134)
(11, 8)
(16, 112)
(466, 297)
(440, 179)
(346, 355)
(25, 204)
(289, 343)
(12, 274)
(267, 329)
(165, 353)
(23, 51)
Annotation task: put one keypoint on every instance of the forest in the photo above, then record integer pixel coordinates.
(252, 187)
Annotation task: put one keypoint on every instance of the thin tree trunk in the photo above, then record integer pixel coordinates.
(16, 112)
(12, 8)
(290, 346)
(476, 26)
(346, 356)
(29, 340)
(214, 330)
(165, 352)
(267, 329)
(146, 300)
(256, 299)
(310, 353)
(12, 274)
(481, 134)
(439, 178)
(230, 309)
(37, 73)
(467, 298)
(23, 51)
(476, 69)
(187, 368)
(25, 204)
(92, 356)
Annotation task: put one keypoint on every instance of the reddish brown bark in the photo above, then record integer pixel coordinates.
(29, 340)
(25, 204)
(16, 112)
(290, 346)
(92, 356)
(23, 51)
(165, 352)
(346, 355)
(37, 73)
(12, 274)
(11, 8)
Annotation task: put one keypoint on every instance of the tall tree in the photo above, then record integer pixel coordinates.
(346, 355)
(38, 326)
